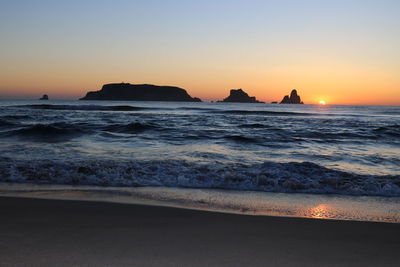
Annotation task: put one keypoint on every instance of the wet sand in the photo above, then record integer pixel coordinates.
(39, 232)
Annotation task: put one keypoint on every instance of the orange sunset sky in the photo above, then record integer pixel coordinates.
(344, 52)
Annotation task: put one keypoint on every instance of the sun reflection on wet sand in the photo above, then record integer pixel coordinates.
(320, 212)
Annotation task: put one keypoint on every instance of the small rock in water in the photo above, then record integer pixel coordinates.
(294, 98)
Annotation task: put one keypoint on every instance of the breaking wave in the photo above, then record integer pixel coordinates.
(292, 177)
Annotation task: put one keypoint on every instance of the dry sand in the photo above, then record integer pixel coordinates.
(35, 232)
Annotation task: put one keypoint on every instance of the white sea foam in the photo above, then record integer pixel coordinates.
(292, 177)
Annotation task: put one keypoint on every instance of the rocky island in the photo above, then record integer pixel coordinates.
(44, 97)
(294, 98)
(240, 96)
(140, 92)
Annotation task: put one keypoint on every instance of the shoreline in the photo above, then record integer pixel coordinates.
(329, 207)
(43, 232)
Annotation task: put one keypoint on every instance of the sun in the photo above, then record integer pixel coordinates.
(322, 102)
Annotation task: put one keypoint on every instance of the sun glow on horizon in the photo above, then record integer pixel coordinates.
(322, 102)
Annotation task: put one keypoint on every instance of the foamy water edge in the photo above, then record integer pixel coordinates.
(331, 207)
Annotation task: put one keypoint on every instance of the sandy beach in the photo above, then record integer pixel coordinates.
(38, 232)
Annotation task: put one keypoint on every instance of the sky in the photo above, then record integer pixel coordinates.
(343, 52)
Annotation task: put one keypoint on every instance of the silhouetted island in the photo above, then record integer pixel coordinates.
(140, 92)
(294, 98)
(240, 96)
(44, 97)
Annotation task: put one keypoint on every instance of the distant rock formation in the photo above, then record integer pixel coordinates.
(274, 102)
(240, 96)
(294, 98)
(44, 97)
(140, 92)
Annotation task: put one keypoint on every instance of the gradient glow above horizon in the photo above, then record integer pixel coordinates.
(342, 52)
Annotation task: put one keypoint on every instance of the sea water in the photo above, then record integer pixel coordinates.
(312, 149)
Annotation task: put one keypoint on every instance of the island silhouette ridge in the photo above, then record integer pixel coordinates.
(240, 96)
(150, 92)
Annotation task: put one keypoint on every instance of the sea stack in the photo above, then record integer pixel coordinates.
(140, 92)
(240, 96)
(44, 97)
(294, 98)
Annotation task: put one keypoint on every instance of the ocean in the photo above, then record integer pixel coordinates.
(291, 149)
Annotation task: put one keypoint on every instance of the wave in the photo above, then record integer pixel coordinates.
(130, 128)
(292, 177)
(15, 117)
(252, 133)
(83, 107)
(6, 123)
(60, 131)
(288, 113)
(196, 108)
(254, 125)
(56, 132)
(390, 112)
(241, 139)
(339, 135)
(264, 112)
(391, 130)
